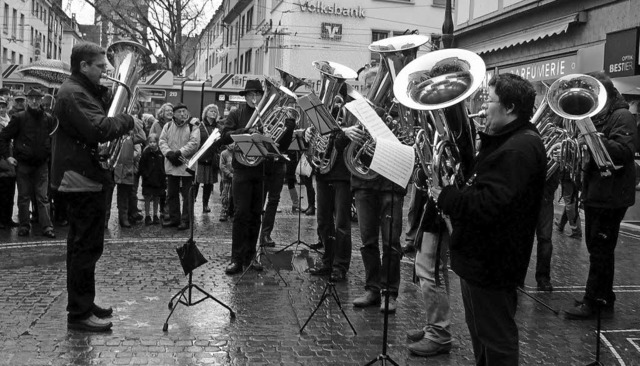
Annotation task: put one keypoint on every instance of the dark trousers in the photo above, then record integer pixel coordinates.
(416, 208)
(178, 186)
(374, 216)
(85, 242)
(311, 193)
(33, 180)
(544, 230)
(601, 229)
(247, 205)
(490, 316)
(273, 185)
(334, 223)
(124, 201)
(8, 189)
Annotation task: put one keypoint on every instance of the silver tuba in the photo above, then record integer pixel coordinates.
(131, 61)
(269, 117)
(579, 97)
(321, 152)
(396, 53)
(437, 83)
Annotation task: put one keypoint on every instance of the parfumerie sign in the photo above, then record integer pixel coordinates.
(331, 9)
(544, 70)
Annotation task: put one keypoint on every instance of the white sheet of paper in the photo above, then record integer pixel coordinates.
(394, 161)
(363, 111)
(207, 144)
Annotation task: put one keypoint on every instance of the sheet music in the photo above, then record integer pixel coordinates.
(370, 119)
(394, 161)
(207, 144)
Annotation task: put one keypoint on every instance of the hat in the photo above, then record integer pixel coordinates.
(19, 95)
(253, 85)
(179, 106)
(3, 100)
(35, 92)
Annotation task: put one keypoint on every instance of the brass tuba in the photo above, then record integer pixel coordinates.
(437, 83)
(131, 61)
(578, 97)
(321, 152)
(396, 53)
(269, 117)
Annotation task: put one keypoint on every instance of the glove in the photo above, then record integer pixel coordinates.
(176, 158)
(170, 156)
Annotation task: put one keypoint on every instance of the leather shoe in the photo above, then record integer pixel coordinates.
(170, 224)
(125, 223)
(370, 298)
(316, 246)
(233, 268)
(580, 312)
(268, 242)
(545, 286)
(338, 276)
(319, 271)
(427, 348)
(256, 266)
(310, 211)
(101, 312)
(415, 335)
(91, 324)
(183, 226)
(392, 305)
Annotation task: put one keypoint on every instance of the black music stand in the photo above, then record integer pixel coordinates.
(318, 114)
(188, 300)
(298, 145)
(257, 145)
(599, 304)
(330, 289)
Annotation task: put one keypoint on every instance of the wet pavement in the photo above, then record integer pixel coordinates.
(139, 272)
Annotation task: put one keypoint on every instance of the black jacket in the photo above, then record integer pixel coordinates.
(617, 190)
(29, 131)
(494, 215)
(81, 109)
(152, 169)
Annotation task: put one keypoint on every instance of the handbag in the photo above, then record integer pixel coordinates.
(303, 167)
(190, 256)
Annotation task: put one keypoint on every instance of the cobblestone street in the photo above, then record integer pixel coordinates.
(139, 272)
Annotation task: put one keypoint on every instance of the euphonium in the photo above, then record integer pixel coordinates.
(269, 116)
(130, 61)
(579, 97)
(437, 83)
(321, 152)
(553, 135)
(396, 52)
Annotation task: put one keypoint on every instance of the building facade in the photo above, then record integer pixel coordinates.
(544, 40)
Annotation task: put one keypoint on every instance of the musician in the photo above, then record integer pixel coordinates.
(606, 199)
(247, 183)
(494, 219)
(334, 211)
(83, 123)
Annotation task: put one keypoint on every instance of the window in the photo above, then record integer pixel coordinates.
(240, 65)
(5, 29)
(443, 3)
(249, 19)
(21, 58)
(33, 7)
(5, 55)
(262, 11)
(22, 27)
(242, 26)
(247, 62)
(13, 57)
(377, 35)
(14, 29)
(32, 41)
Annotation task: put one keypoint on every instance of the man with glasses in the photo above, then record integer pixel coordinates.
(494, 219)
(81, 109)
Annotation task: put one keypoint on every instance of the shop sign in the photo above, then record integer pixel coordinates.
(236, 98)
(333, 9)
(331, 31)
(221, 97)
(621, 53)
(545, 70)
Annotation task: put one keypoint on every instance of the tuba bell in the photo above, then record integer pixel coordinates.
(269, 117)
(131, 61)
(321, 152)
(396, 53)
(437, 83)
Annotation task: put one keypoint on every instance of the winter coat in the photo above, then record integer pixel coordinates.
(184, 138)
(81, 109)
(211, 156)
(617, 190)
(494, 215)
(7, 170)
(226, 164)
(152, 169)
(29, 131)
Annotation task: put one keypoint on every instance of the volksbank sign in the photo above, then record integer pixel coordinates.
(322, 8)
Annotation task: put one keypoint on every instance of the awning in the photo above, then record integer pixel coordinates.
(547, 29)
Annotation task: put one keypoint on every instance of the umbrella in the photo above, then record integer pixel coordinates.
(48, 72)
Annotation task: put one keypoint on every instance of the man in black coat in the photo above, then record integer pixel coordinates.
(81, 109)
(494, 219)
(607, 195)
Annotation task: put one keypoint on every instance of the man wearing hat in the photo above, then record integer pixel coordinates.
(248, 197)
(18, 104)
(30, 130)
(179, 140)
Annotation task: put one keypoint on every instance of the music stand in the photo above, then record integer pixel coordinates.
(188, 300)
(318, 114)
(298, 145)
(257, 145)
(599, 304)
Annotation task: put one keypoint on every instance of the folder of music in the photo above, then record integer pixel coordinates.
(318, 114)
(257, 145)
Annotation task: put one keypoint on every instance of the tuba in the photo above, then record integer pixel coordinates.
(396, 53)
(131, 61)
(321, 152)
(579, 97)
(437, 84)
(269, 117)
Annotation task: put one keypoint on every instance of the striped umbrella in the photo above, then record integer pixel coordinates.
(48, 72)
